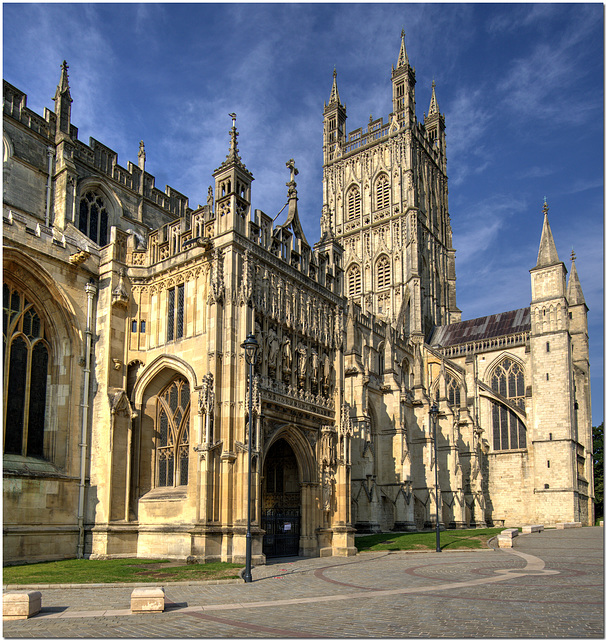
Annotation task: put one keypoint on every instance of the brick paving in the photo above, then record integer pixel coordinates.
(549, 585)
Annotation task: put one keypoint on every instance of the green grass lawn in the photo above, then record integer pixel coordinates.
(411, 541)
(120, 570)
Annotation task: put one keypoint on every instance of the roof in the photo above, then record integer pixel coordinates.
(499, 324)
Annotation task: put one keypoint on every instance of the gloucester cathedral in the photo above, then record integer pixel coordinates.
(127, 416)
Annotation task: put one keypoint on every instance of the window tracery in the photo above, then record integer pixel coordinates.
(26, 365)
(93, 220)
(383, 273)
(453, 391)
(354, 281)
(508, 430)
(382, 192)
(172, 426)
(353, 203)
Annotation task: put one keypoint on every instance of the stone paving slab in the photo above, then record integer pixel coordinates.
(548, 585)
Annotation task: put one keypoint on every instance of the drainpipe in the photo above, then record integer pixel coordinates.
(50, 152)
(91, 290)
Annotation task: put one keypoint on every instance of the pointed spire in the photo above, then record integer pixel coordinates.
(403, 57)
(548, 254)
(433, 105)
(574, 292)
(334, 93)
(63, 87)
(233, 156)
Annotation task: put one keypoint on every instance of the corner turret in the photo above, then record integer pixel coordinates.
(232, 188)
(63, 101)
(403, 83)
(335, 115)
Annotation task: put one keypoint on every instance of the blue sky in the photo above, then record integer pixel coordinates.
(521, 87)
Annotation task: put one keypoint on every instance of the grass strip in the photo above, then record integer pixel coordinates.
(118, 570)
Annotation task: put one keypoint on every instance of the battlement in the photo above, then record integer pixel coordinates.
(96, 155)
(322, 265)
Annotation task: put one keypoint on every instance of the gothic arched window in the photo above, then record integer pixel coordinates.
(93, 220)
(507, 429)
(383, 272)
(453, 391)
(26, 365)
(382, 192)
(354, 281)
(353, 203)
(172, 426)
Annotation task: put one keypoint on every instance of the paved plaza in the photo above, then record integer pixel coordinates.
(551, 584)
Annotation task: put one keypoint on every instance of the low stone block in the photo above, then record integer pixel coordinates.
(505, 542)
(533, 528)
(568, 525)
(20, 605)
(510, 533)
(147, 600)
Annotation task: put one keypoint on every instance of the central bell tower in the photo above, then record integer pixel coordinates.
(385, 191)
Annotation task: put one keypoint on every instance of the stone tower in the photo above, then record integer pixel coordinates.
(386, 198)
(558, 316)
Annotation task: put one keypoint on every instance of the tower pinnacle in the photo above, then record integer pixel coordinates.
(403, 57)
(63, 101)
(334, 92)
(548, 254)
(433, 105)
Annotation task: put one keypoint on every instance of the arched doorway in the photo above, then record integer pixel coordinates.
(281, 507)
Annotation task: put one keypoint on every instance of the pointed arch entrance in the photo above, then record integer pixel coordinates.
(281, 501)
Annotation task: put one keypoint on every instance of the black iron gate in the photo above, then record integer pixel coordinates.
(282, 531)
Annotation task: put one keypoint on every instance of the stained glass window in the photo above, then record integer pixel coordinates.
(508, 431)
(93, 219)
(172, 445)
(453, 391)
(175, 321)
(26, 365)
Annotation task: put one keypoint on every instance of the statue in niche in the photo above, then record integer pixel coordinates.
(274, 347)
(326, 372)
(302, 360)
(286, 355)
(209, 198)
(328, 482)
(315, 362)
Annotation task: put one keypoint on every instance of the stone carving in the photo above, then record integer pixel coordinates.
(120, 295)
(246, 287)
(302, 360)
(209, 198)
(273, 349)
(315, 364)
(206, 402)
(217, 287)
(286, 356)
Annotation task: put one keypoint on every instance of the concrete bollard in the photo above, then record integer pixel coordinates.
(147, 600)
(20, 605)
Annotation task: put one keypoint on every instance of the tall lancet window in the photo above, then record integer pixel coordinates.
(354, 281)
(26, 364)
(354, 205)
(172, 427)
(508, 431)
(93, 220)
(382, 192)
(383, 272)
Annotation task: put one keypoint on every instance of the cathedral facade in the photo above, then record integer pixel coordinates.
(127, 419)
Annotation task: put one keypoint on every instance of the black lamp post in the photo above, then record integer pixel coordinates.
(250, 346)
(433, 412)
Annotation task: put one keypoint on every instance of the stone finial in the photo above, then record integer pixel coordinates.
(403, 56)
(141, 155)
(334, 92)
(545, 207)
(548, 254)
(573, 255)
(433, 105)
